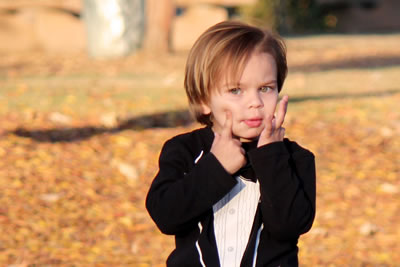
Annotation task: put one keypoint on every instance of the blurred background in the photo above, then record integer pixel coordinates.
(91, 89)
(172, 25)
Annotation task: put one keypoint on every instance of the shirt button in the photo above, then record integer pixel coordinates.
(230, 249)
(232, 211)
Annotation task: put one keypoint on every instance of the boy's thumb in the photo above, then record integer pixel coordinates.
(227, 129)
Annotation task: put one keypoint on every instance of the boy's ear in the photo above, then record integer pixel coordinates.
(205, 109)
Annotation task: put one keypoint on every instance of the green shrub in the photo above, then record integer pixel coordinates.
(286, 16)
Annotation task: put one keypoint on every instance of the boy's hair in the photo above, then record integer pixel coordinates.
(224, 49)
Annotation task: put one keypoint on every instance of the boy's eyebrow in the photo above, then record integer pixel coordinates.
(230, 85)
(271, 81)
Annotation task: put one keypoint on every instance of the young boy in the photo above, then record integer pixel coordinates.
(234, 193)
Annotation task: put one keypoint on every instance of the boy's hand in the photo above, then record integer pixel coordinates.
(273, 130)
(227, 149)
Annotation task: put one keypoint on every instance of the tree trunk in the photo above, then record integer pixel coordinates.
(114, 27)
(159, 15)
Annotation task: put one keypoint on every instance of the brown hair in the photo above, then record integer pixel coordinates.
(227, 46)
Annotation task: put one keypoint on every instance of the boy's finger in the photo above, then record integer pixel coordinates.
(227, 129)
(268, 125)
(280, 117)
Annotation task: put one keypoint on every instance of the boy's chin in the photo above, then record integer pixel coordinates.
(247, 140)
(249, 137)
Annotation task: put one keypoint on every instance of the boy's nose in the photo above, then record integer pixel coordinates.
(255, 101)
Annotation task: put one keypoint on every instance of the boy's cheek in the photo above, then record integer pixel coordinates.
(223, 110)
(269, 111)
(270, 108)
(229, 107)
(220, 116)
(219, 112)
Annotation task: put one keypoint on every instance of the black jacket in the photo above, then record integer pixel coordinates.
(183, 193)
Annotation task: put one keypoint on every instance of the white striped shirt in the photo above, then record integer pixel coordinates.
(233, 220)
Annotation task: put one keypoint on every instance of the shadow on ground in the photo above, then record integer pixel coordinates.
(344, 96)
(365, 62)
(369, 62)
(168, 119)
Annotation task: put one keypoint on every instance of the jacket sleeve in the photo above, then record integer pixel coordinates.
(286, 174)
(181, 191)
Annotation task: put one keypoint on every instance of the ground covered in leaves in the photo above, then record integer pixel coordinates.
(79, 142)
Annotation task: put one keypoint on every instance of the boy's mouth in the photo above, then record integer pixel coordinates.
(253, 123)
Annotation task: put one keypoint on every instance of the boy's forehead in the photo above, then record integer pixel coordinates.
(227, 77)
(229, 72)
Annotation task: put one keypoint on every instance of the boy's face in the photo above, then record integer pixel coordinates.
(249, 101)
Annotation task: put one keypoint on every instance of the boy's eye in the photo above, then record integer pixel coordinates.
(266, 89)
(235, 91)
